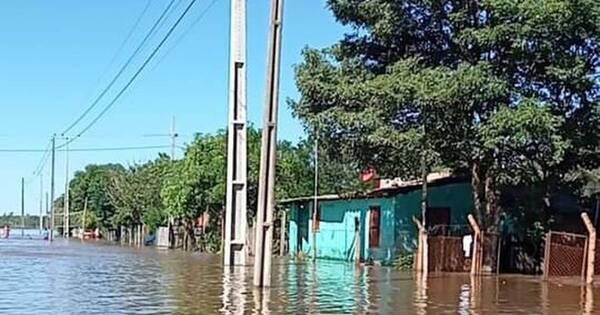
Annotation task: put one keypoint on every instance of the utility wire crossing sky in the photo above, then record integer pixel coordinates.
(101, 73)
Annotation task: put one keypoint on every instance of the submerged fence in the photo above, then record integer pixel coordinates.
(455, 248)
(571, 255)
(564, 254)
(446, 251)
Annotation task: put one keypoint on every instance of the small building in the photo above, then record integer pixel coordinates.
(383, 215)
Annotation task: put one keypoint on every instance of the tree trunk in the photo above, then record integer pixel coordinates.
(492, 222)
(476, 189)
(189, 242)
(492, 206)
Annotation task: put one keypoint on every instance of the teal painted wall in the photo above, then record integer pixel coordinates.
(456, 196)
(335, 239)
(336, 236)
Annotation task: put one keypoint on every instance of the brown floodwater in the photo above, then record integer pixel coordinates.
(71, 277)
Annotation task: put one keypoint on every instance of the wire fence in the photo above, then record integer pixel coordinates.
(565, 254)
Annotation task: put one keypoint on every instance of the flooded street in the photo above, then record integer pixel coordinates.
(71, 277)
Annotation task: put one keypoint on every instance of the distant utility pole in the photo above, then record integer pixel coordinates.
(268, 155)
(66, 208)
(173, 136)
(47, 212)
(53, 160)
(22, 206)
(235, 250)
(41, 202)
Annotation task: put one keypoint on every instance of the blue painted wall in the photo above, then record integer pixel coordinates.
(336, 237)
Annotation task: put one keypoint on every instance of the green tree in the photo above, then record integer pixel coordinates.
(92, 184)
(135, 193)
(448, 79)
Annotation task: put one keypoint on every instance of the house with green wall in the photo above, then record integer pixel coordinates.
(379, 220)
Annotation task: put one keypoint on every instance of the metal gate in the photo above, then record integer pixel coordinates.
(564, 254)
(446, 254)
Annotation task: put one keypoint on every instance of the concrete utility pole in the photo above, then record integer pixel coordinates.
(268, 156)
(235, 250)
(316, 195)
(53, 160)
(22, 207)
(41, 202)
(66, 205)
(424, 201)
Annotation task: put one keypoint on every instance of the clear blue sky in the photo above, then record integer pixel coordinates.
(54, 55)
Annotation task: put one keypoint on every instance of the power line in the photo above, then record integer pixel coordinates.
(186, 32)
(125, 40)
(119, 148)
(135, 75)
(122, 69)
(40, 166)
(42, 163)
(129, 148)
(173, 8)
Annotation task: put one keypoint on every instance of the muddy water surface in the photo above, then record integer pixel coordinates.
(71, 277)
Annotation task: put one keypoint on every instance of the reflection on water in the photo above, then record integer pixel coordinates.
(71, 277)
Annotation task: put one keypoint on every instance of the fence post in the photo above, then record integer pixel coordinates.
(358, 246)
(282, 230)
(421, 258)
(475, 259)
(591, 248)
(419, 254)
(547, 254)
(480, 251)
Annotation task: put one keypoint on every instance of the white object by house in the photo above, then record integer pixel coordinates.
(466, 241)
(162, 239)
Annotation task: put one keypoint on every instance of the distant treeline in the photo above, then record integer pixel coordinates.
(31, 221)
(116, 196)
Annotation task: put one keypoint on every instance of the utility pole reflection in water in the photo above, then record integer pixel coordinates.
(234, 290)
(262, 297)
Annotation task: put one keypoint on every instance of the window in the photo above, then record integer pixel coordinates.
(437, 216)
(317, 219)
(438, 220)
(374, 226)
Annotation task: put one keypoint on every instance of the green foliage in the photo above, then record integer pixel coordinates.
(93, 183)
(135, 193)
(525, 142)
(405, 262)
(591, 179)
(197, 183)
